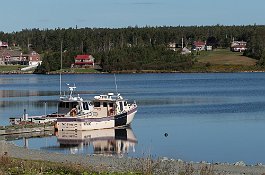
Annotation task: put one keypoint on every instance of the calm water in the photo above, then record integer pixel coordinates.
(212, 117)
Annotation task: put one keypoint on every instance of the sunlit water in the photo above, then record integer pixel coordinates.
(194, 117)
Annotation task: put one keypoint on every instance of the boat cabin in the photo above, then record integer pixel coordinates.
(74, 107)
(109, 105)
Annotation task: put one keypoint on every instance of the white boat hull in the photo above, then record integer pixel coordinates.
(92, 123)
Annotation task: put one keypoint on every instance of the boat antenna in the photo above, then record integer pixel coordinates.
(61, 68)
(116, 84)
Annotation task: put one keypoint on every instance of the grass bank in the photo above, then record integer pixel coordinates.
(225, 57)
(28, 167)
(10, 165)
(223, 60)
(13, 69)
(76, 71)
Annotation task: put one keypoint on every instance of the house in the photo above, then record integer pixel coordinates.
(34, 58)
(238, 46)
(11, 56)
(3, 45)
(84, 61)
(8, 57)
(209, 48)
(172, 46)
(199, 45)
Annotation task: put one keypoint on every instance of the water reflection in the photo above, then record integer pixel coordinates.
(114, 141)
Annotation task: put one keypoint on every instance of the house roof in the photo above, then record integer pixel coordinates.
(12, 53)
(238, 46)
(198, 43)
(83, 57)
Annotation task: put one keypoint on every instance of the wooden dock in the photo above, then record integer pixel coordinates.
(28, 128)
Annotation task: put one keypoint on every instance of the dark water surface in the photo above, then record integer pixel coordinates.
(216, 117)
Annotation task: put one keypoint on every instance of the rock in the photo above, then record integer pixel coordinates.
(259, 164)
(240, 163)
(164, 159)
(179, 160)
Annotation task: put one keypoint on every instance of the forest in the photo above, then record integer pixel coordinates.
(133, 48)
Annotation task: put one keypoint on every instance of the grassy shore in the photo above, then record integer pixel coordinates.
(10, 165)
(218, 60)
(18, 160)
(225, 57)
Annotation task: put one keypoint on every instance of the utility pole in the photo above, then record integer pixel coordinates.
(82, 47)
(182, 42)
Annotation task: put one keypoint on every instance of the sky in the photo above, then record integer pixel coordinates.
(27, 14)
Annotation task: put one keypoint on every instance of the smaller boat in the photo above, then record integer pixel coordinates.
(104, 111)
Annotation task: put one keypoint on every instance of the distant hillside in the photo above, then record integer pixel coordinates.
(133, 48)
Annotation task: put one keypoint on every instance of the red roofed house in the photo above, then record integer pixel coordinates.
(84, 61)
(238, 46)
(199, 45)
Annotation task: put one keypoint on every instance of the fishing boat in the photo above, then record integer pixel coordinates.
(65, 103)
(104, 111)
(112, 141)
(68, 102)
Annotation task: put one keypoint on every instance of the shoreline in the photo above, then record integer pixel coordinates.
(133, 72)
(126, 164)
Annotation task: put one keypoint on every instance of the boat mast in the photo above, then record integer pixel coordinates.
(61, 68)
(116, 84)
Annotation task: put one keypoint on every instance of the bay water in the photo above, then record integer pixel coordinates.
(214, 117)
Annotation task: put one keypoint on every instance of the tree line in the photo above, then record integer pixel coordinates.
(133, 48)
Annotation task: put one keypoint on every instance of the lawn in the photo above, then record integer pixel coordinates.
(225, 57)
(9, 68)
(76, 70)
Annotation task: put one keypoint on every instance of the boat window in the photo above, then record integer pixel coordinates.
(73, 105)
(60, 104)
(105, 104)
(125, 103)
(96, 104)
(85, 106)
(67, 105)
(121, 106)
(110, 104)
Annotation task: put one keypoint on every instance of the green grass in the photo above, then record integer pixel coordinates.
(10, 68)
(224, 57)
(84, 70)
(10, 165)
(31, 167)
(76, 70)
